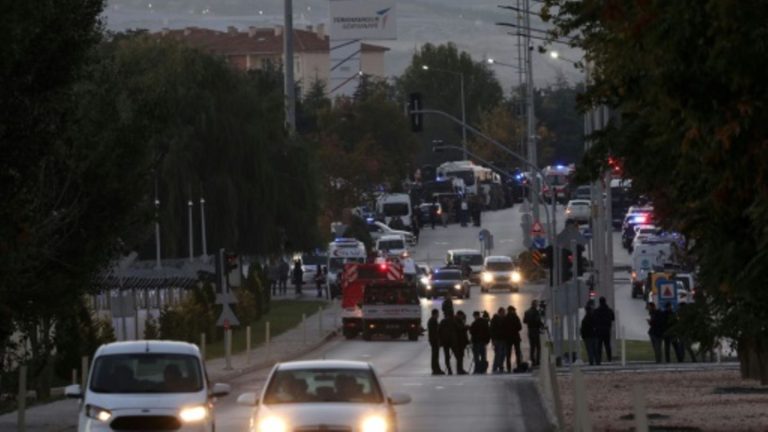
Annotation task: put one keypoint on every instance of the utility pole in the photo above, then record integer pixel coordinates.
(290, 86)
(531, 121)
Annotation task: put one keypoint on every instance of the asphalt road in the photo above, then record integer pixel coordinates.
(445, 403)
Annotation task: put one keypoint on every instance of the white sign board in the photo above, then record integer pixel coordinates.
(363, 19)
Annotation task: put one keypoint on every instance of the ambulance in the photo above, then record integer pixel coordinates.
(342, 251)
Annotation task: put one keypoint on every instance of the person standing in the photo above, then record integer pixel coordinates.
(273, 270)
(462, 340)
(416, 228)
(655, 329)
(588, 334)
(434, 341)
(481, 336)
(409, 269)
(669, 339)
(448, 334)
(463, 212)
(499, 340)
(513, 326)
(532, 319)
(603, 321)
(683, 315)
(284, 270)
(319, 280)
(433, 212)
(298, 277)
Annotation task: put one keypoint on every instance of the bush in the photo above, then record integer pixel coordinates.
(188, 320)
(78, 334)
(151, 330)
(247, 308)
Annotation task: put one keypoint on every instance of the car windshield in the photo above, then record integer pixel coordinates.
(395, 209)
(323, 386)
(446, 275)
(499, 266)
(396, 295)
(467, 175)
(146, 373)
(391, 244)
(468, 259)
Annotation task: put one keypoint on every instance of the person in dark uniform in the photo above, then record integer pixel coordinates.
(462, 340)
(499, 341)
(532, 319)
(434, 341)
(298, 276)
(603, 322)
(448, 336)
(481, 336)
(513, 326)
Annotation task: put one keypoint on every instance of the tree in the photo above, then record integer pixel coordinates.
(441, 91)
(686, 83)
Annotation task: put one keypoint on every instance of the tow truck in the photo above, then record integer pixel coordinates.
(391, 308)
(354, 280)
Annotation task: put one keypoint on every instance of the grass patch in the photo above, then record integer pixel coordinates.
(283, 315)
(637, 351)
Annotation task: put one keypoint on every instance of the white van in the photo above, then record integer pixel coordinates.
(392, 246)
(147, 385)
(473, 257)
(392, 206)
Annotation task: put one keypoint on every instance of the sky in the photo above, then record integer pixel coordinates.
(470, 24)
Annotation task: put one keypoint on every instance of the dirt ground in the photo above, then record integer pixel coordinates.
(684, 401)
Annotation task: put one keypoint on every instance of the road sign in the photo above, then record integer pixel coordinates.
(483, 234)
(537, 228)
(539, 242)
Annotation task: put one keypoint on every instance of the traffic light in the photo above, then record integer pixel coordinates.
(566, 265)
(417, 118)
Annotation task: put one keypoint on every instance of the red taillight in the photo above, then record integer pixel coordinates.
(383, 267)
(592, 294)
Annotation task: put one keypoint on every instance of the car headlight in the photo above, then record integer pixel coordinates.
(375, 423)
(487, 277)
(457, 286)
(101, 414)
(516, 276)
(272, 424)
(193, 414)
(424, 280)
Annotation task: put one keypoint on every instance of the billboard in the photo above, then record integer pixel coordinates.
(363, 19)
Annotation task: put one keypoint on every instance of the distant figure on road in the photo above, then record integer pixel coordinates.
(499, 340)
(409, 269)
(433, 212)
(320, 279)
(273, 272)
(588, 334)
(298, 276)
(447, 305)
(532, 319)
(603, 321)
(464, 212)
(513, 326)
(448, 335)
(415, 228)
(284, 271)
(656, 328)
(481, 336)
(434, 341)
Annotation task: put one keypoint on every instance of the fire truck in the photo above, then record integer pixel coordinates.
(377, 300)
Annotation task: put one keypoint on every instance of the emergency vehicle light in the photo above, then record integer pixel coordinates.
(383, 267)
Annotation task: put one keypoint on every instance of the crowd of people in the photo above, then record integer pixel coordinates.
(453, 336)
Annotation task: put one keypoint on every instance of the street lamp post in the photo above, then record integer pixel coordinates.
(158, 262)
(521, 136)
(191, 239)
(202, 227)
(463, 105)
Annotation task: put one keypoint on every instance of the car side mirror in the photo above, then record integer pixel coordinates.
(399, 399)
(220, 390)
(73, 391)
(248, 399)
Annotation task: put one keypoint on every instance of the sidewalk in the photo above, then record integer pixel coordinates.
(61, 415)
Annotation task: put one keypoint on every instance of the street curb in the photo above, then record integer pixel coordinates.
(546, 402)
(238, 372)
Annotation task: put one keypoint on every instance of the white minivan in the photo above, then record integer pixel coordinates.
(147, 385)
(394, 206)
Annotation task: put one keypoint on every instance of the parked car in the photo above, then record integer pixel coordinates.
(377, 229)
(500, 272)
(147, 385)
(447, 281)
(323, 395)
(578, 210)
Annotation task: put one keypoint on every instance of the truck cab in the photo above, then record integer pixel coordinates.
(353, 281)
(391, 308)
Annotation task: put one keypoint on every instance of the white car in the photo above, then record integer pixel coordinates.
(644, 233)
(578, 210)
(323, 395)
(377, 229)
(473, 257)
(500, 272)
(392, 246)
(147, 385)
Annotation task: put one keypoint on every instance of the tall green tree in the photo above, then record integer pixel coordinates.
(686, 80)
(441, 90)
